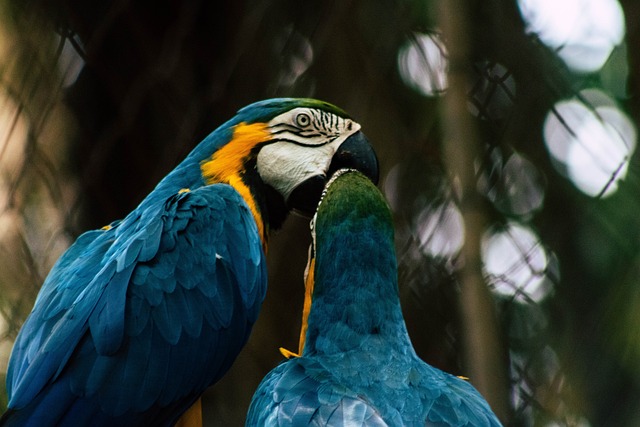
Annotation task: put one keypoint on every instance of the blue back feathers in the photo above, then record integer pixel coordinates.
(358, 367)
(135, 321)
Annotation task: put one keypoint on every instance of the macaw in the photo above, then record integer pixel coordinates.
(357, 366)
(137, 319)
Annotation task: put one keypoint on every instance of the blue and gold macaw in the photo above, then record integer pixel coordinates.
(357, 366)
(137, 319)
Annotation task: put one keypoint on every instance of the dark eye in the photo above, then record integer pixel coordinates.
(303, 120)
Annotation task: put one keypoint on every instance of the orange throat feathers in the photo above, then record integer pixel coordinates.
(308, 293)
(226, 165)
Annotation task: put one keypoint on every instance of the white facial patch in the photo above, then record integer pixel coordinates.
(306, 140)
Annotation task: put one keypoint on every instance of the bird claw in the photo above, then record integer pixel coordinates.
(288, 353)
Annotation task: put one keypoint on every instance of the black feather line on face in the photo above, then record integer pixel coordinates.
(323, 124)
(270, 203)
(285, 128)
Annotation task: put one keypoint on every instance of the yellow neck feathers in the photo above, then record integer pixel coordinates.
(226, 164)
(309, 282)
(306, 309)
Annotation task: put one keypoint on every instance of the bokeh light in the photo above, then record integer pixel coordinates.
(493, 93)
(71, 62)
(296, 53)
(13, 138)
(440, 230)
(591, 140)
(515, 263)
(423, 64)
(540, 378)
(390, 187)
(515, 186)
(583, 32)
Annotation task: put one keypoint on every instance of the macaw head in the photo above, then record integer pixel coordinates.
(279, 153)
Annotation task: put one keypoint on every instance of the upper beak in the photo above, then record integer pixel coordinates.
(354, 153)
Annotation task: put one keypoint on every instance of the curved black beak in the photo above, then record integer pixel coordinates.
(354, 153)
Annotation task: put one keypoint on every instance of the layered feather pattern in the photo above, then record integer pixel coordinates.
(163, 317)
(358, 367)
(137, 319)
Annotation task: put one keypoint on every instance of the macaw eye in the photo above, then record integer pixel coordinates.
(303, 120)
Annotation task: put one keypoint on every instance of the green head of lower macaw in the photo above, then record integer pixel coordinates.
(138, 318)
(357, 365)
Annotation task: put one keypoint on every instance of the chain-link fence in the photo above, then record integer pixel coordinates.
(96, 105)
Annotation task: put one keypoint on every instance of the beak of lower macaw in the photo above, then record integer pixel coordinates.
(354, 153)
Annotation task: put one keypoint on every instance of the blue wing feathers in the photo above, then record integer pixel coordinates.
(144, 314)
(100, 372)
(163, 319)
(184, 273)
(107, 318)
(151, 242)
(137, 366)
(138, 313)
(130, 254)
(191, 322)
(154, 372)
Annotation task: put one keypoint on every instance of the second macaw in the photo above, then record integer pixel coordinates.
(138, 318)
(357, 366)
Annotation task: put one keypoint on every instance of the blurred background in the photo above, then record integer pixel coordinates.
(506, 132)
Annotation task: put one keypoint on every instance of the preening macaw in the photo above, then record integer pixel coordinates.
(138, 318)
(357, 366)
